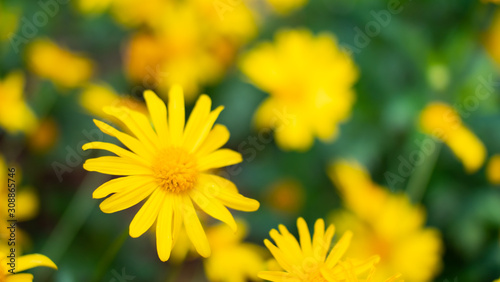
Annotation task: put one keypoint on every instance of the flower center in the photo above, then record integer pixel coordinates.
(175, 170)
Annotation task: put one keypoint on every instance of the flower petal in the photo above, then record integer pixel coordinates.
(20, 277)
(117, 185)
(213, 207)
(119, 151)
(219, 158)
(278, 276)
(196, 121)
(204, 130)
(218, 187)
(176, 114)
(130, 196)
(305, 237)
(132, 143)
(217, 137)
(164, 234)
(194, 229)
(116, 166)
(339, 250)
(158, 112)
(147, 215)
(137, 123)
(33, 260)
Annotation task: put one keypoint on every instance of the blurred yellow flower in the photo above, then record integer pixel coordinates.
(63, 67)
(285, 7)
(171, 164)
(443, 122)
(493, 170)
(95, 97)
(313, 260)
(22, 263)
(233, 260)
(309, 80)
(45, 135)
(385, 224)
(15, 114)
(190, 45)
(286, 196)
(492, 38)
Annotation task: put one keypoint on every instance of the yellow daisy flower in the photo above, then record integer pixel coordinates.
(23, 263)
(443, 122)
(172, 164)
(310, 261)
(15, 114)
(233, 260)
(385, 224)
(45, 59)
(309, 80)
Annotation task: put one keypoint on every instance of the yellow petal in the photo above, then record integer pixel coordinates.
(119, 151)
(211, 185)
(130, 142)
(21, 277)
(158, 112)
(279, 256)
(217, 137)
(147, 214)
(116, 185)
(339, 249)
(130, 196)
(219, 158)
(213, 207)
(278, 276)
(196, 121)
(116, 166)
(33, 260)
(194, 229)
(164, 236)
(204, 130)
(305, 237)
(137, 123)
(176, 114)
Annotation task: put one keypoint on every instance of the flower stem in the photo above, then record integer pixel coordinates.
(419, 180)
(109, 256)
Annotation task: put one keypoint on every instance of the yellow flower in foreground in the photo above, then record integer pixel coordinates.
(309, 80)
(172, 164)
(23, 263)
(443, 122)
(309, 261)
(286, 6)
(492, 38)
(493, 170)
(385, 224)
(15, 115)
(64, 68)
(233, 260)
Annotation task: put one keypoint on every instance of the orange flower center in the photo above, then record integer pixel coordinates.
(175, 170)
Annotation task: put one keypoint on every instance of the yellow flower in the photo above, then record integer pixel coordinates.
(310, 260)
(192, 45)
(492, 38)
(232, 260)
(493, 170)
(172, 164)
(285, 7)
(443, 122)
(64, 68)
(95, 97)
(45, 135)
(385, 224)
(15, 114)
(309, 80)
(23, 263)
